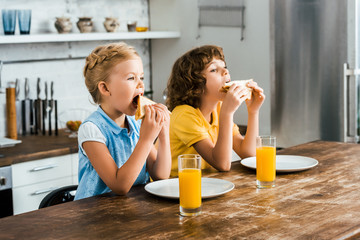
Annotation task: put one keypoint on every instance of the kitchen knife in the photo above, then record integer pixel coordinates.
(44, 108)
(51, 105)
(38, 109)
(18, 107)
(27, 110)
(56, 118)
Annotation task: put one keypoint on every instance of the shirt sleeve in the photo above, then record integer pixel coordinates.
(89, 132)
(189, 128)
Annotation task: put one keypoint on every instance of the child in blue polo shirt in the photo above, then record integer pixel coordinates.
(116, 151)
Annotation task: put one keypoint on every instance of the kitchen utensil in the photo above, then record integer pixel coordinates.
(38, 109)
(11, 113)
(51, 105)
(18, 107)
(56, 118)
(44, 109)
(26, 110)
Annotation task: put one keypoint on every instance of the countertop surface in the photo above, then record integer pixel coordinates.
(319, 203)
(35, 147)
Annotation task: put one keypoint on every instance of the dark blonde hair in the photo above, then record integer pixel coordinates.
(187, 83)
(100, 62)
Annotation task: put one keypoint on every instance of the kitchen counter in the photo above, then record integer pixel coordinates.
(320, 203)
(35, 147)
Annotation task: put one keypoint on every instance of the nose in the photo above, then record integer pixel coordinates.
(225, 72)
(140, 84)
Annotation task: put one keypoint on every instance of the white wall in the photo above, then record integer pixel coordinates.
(249, 58)
(70, 90)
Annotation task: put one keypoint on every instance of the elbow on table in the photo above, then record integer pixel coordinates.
(224, 167)
(161, 177)
(121, 191)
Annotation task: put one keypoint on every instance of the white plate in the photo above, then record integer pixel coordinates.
(169, 188)
(285, 163)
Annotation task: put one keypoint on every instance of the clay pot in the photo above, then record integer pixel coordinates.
(63, 24)
(111, 24)
(85, 24)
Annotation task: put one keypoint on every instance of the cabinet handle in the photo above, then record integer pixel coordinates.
(42, 191)
(36, 169)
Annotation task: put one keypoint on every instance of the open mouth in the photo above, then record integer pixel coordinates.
(135, 101)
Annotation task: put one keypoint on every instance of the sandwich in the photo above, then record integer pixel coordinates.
(240, 83)
(141, 103)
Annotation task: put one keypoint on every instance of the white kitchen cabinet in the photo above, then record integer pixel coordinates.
(75, 168)
(33, 180)
(27, 198)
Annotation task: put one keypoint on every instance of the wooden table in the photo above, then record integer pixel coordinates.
(320, 203)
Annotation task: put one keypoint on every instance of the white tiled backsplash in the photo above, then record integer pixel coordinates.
(69, 87)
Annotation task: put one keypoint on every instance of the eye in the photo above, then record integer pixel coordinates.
(131, 78)
(213, 70)
(142, 78)
(225, 67)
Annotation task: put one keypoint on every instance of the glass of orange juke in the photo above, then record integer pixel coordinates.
(265, 161)
(190, 184)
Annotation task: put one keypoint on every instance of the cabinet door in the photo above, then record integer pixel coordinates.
(43, 170)
(28, 198)
(75, 167)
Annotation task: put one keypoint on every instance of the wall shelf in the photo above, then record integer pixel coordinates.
(75, 37)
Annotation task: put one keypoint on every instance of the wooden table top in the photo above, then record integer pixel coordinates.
(320, 203)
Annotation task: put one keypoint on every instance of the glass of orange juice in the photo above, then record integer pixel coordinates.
(265, 161)
(190, 184)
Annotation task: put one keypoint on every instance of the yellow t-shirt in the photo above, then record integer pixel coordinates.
(187, 127)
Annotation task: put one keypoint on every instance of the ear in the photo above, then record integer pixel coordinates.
(103, 88)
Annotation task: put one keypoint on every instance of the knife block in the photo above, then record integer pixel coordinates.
(11, 113)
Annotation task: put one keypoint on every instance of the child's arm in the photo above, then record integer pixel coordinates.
(219, 155)
(159, 161)
(120, 180)
(246, 147)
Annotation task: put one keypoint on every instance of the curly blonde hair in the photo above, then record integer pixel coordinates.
(100, 62)
(187, 82)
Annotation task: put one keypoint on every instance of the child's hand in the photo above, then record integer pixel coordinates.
(152, 123)
(257, 98)
(233, 99)
(163, 110)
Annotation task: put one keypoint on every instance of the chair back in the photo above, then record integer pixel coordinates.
(58, 196)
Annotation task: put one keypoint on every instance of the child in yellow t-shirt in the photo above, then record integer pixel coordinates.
(202, 115)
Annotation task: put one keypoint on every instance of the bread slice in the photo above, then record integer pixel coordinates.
(241, 83)
(141, 103)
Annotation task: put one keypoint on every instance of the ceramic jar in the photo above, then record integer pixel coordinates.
(111, 24)
(85, 24)
(63, 24)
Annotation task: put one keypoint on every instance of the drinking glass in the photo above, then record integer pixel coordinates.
(131, 25)
(9, 21)
(24, 17)
(190, 184)
(265, 161)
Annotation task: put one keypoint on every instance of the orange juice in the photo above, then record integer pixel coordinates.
(265, 164)
(190, 188)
